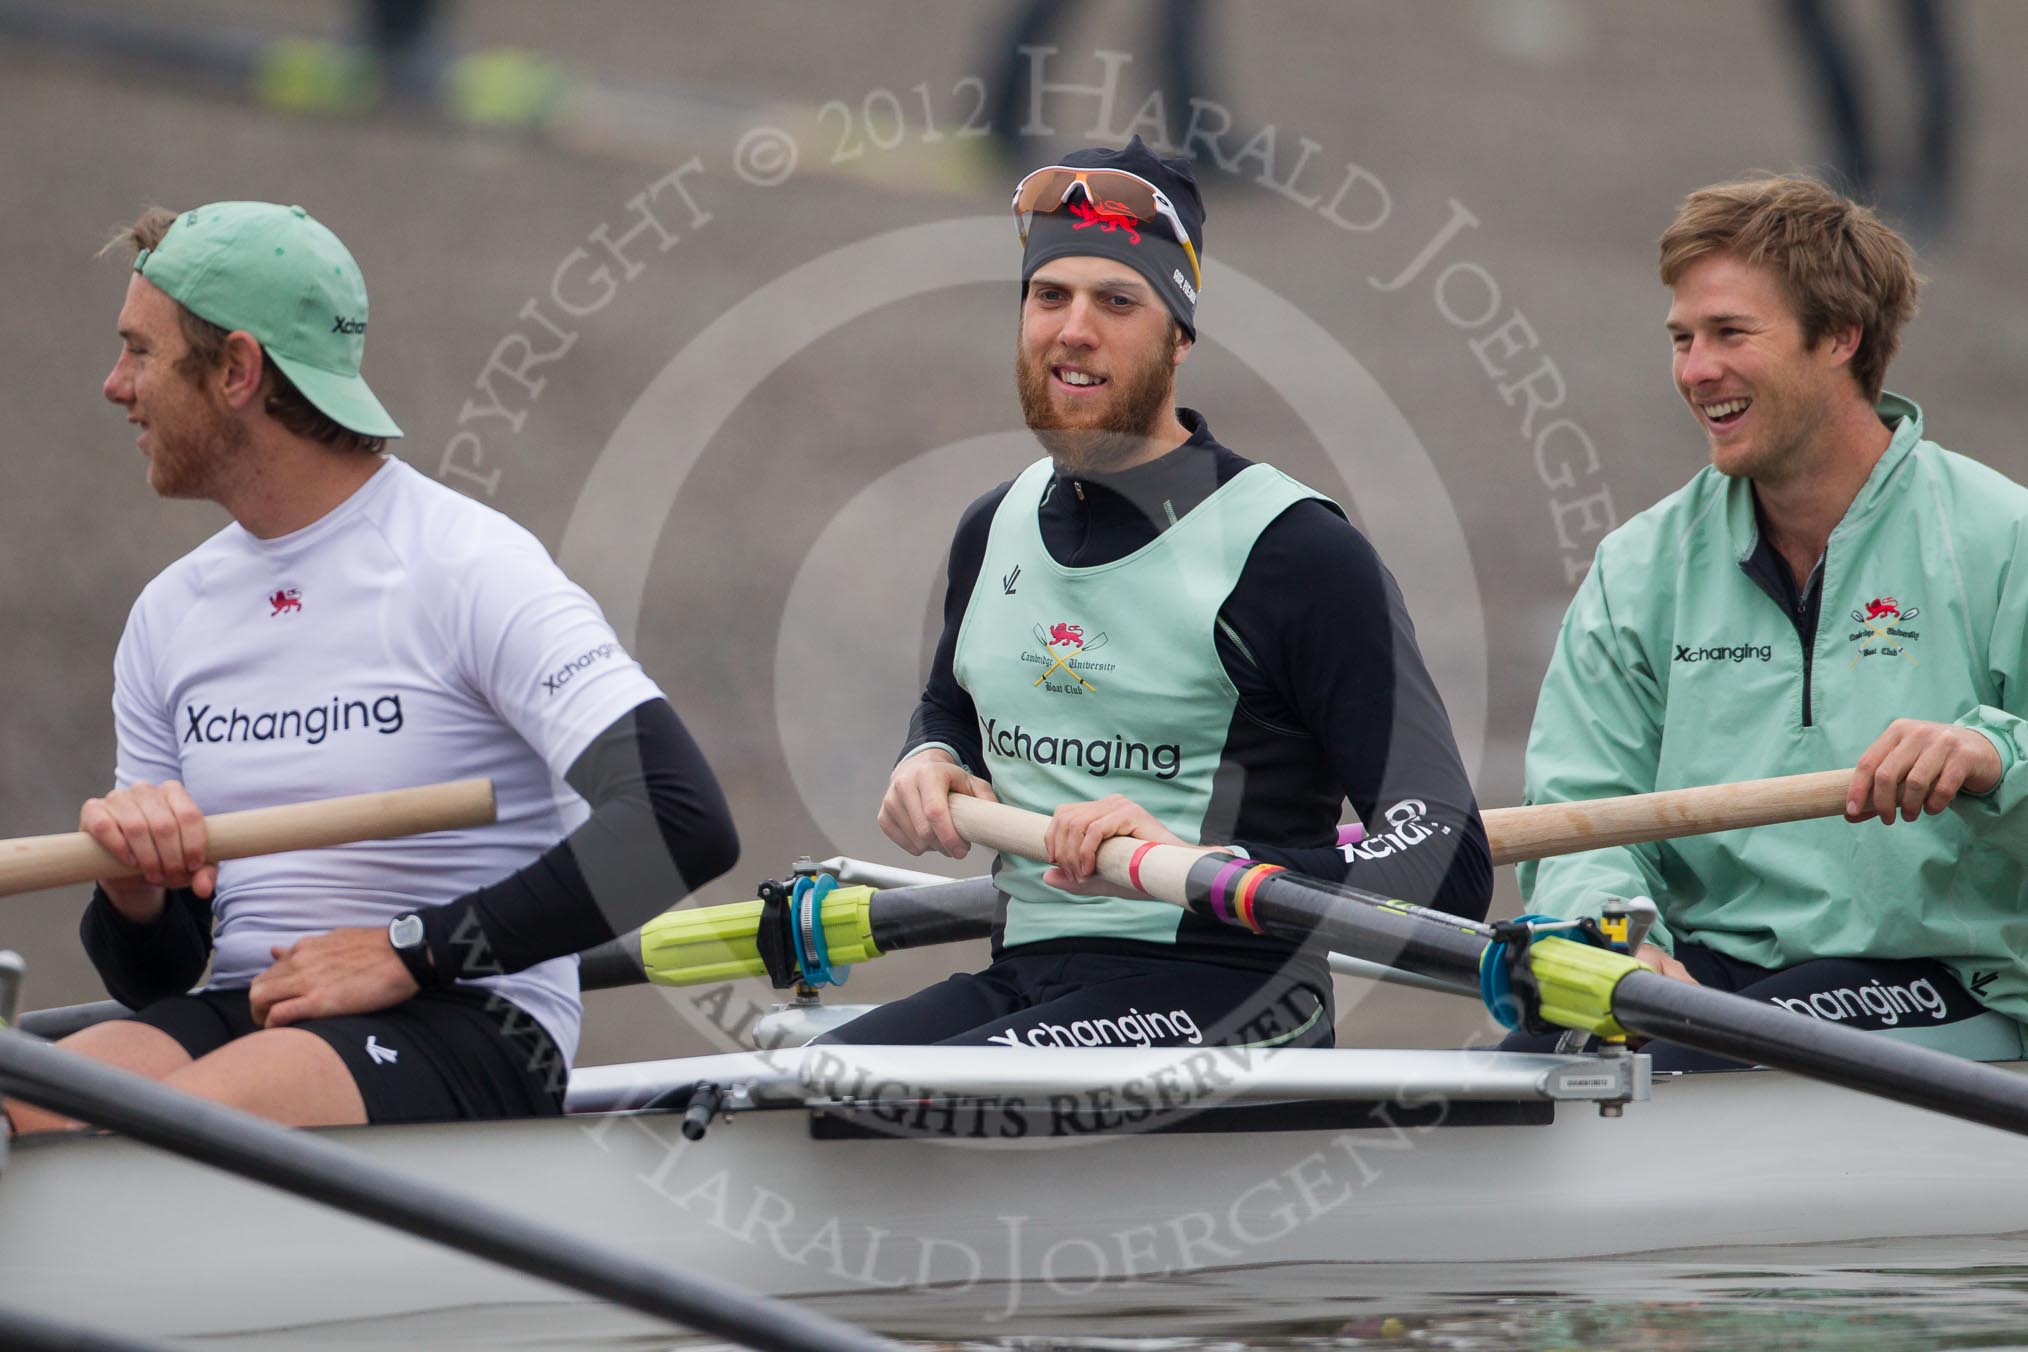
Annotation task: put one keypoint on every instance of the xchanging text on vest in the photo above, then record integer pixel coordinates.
(1097, 757)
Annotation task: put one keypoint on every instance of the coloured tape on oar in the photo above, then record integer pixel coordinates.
(1231, 894)
(1134, 865)
(806, 917)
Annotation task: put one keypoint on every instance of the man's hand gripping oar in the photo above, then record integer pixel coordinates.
(180, 847)
(915, 812)
(138, 841)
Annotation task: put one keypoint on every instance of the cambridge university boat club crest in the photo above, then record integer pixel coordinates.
(1067, 668)
(1882, 630)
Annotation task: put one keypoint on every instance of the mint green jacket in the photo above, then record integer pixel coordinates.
(1675, 668)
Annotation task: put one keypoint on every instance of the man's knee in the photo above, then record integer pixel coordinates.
(137, 1047)
(289, 1075)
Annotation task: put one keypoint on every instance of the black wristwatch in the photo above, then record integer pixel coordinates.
(411, 945)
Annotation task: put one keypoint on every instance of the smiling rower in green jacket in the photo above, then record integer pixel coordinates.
(1833, 590)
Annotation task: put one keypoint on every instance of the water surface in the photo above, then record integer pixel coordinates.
(1876, 1296)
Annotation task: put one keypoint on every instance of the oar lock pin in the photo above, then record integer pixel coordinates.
(1625, 921)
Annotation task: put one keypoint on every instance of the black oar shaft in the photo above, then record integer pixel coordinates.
(1578, 986)
(1429, 943)
(1590, 986)
(323, 1172)
(61, 1022)
(1645, 1003)
(616, 962)
(935, 913)
(1748, 1030)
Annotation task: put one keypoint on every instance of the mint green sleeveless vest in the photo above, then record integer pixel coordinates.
(1093, 681)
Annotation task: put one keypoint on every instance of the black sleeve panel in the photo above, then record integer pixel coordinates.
(659, 828)
(946, 713)
(141, 964)
(1329, 648)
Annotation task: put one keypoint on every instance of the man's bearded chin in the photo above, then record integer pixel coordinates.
(1140, 399)
(198, 462)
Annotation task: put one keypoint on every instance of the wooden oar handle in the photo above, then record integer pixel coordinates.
(1013, 830)
(34, 862)
(1545, 829)
(1516, 833)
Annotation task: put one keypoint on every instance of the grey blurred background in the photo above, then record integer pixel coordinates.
(778, 567)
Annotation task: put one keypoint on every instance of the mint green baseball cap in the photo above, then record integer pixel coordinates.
(278, 274)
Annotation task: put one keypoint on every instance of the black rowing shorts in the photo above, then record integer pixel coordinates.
(441, 1055)
(1101, 1000)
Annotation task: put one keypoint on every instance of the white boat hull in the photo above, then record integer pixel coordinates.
(110, 1233)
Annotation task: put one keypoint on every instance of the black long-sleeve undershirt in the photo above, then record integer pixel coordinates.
(659, 828)
(1314, 636)
(143, 963)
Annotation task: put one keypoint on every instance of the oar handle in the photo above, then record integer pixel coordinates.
(33, 862)
(1516, 833)
(1013, 830)
(1536, 832)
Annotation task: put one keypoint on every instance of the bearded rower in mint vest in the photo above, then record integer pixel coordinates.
(1148, 635)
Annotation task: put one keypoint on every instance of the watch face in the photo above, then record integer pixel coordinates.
(406, 931)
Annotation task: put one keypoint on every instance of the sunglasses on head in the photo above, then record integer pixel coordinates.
(1111, 192)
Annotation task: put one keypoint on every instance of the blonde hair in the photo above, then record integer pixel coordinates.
(1838, 263)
